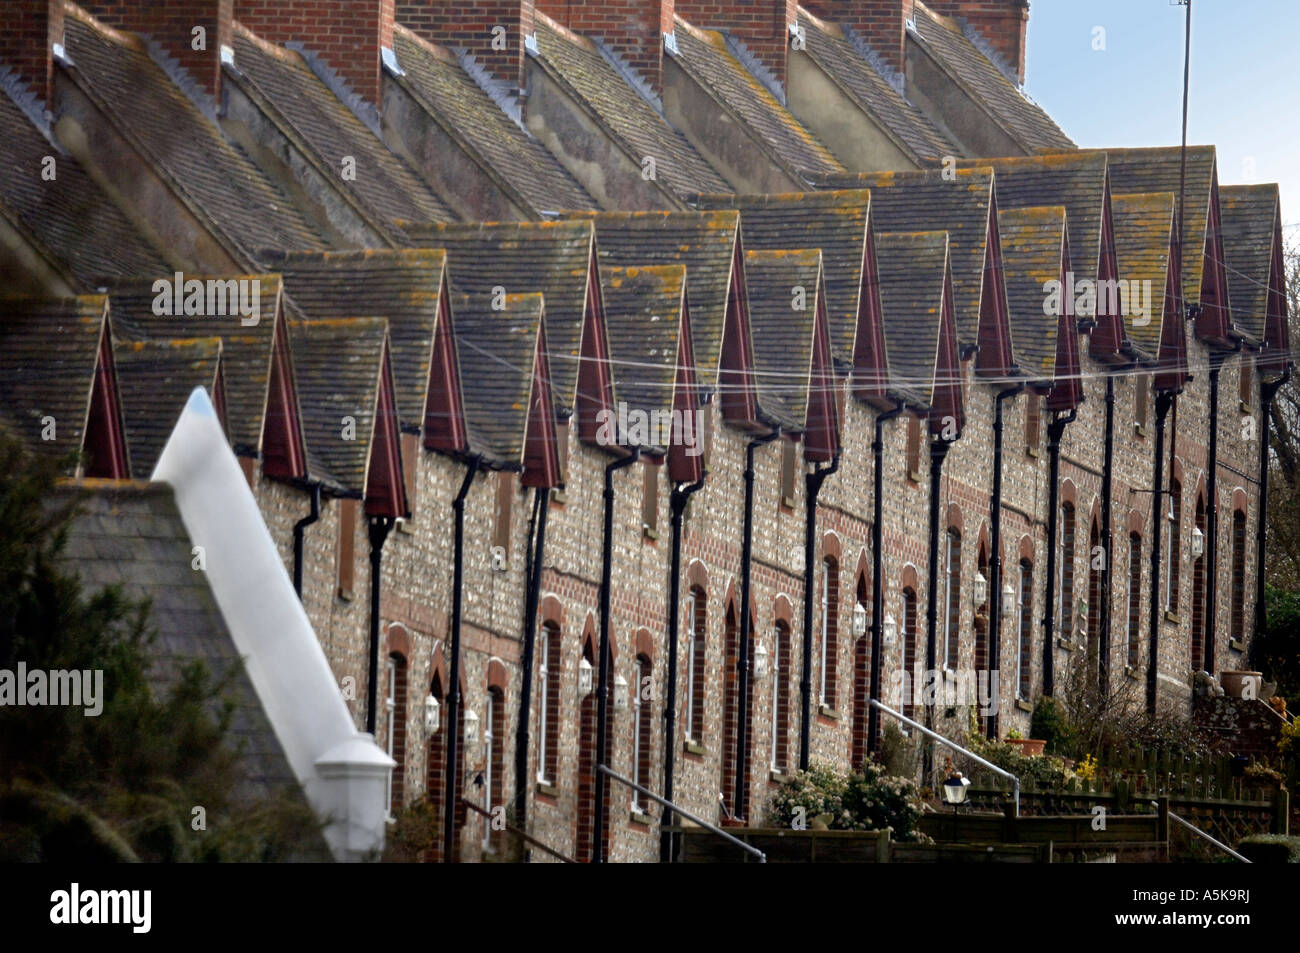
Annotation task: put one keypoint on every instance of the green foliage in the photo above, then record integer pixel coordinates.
(1050, 723)
(1276, 650)
(122, 785)
(866, 800)
(1047, 773)
(417, 831)
(819, 790)
(1271, 849)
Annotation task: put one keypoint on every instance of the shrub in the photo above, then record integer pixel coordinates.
(806, 794)
(1050, 723)
(866, 800)
(1271, 849)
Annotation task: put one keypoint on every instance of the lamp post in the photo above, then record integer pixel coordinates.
(954, 793)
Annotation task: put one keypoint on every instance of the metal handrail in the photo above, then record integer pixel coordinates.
(762, 858)
(1192, 827)
(1015, 781)
(526, 838)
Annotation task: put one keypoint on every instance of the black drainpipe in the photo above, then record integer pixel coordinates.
(938, 451)
(995, 559)
(1212, 514)
(742, 655)
(680, 495)
(813, 483)
(1267, 391)
(298, 529)
(379, 529)
(1107, 539)
(453, 676)
(1164, 399)
(602, 689)
(1055, 430)
(541, 504)
(877, 568)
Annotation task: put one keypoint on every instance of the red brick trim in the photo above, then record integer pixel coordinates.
(831, 546)
(781, 610)
(954, 518)
(1200, 492)
(863, 573)
(983, 541)
(590, 645)
(910, 579)
(1177, 471)
(645, 644)
(1137, 522)
(399, 640)
(1026, 549)
(1239, 500)
(438, 670)
(551, 610)
(697, 575)
(496, 675)
(1070, 493)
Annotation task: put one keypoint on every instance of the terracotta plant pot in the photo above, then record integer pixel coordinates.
(1234, 682)
(1029, 747)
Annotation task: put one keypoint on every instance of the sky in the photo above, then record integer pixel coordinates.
(1244, 95)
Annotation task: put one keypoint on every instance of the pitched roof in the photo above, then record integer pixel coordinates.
(784, 327)
(705, 242)
(314, 118)
(1144, 226)
(630, 119)
(1251, 224)
(926, 201)
(79, 230)
(1156, 169)
(212, 174)
(909, 128)
(959, 56)
(553, 258)
(247, 350)
(49, 353)
(155, 379)
(517, 161)
(703, 54)
(405, 286)
(1075, 180)
(834, 221)
(912, 273)
(131, 535)
(1033, 250)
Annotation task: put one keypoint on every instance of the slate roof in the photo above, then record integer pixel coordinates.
(1250, 218)
(783, 336)
(834, 221)
(926, 201)
(552, 258)
(1033, 243)
(703, 54)
(154, 380)
(1144, 226)
(49, 349)
(705, 242)
(905, 125)
(76, 226)
(1075, 180)
(631, 120)
(401, 285)
(131, 535)
(214, 176)
(338, 364)
(1156, 169)
(314, 118)
(912, 266)
(1021, 118)
(246, 350)
(496, 352)
(643, 313)
(518, 162)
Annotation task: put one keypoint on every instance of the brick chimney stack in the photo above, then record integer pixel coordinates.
(178, 26)
(349, 36)
(492, 31)
(632, 29)
(1004, 23)
(31, 29)
(878, 23)
(762, 25)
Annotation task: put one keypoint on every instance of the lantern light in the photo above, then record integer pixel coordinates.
(471, 730)
(859, 620)
(620, 693)
(432, 714)
(1198, 543)
(980, 589)
(584, 677)
(891, 629)
(760, 661)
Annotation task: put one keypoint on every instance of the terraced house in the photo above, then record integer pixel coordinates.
(649, 384)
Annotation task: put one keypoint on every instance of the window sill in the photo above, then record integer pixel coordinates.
(776, 777)
(1130, 671)
(346, 595)
(1246, 408)
(690, 747)
(558, 497)
(787, 503)
(1237, 645)
(914, 476)
(650, 533)
(1024, 705)
(547, 790)
(1174, 617)
(826, 711)
(404, 526)
(1139, 430)
(1064, 644)
(640, 818)
(1031, 451)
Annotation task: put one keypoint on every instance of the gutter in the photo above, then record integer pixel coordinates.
(602, 689)
(298, 529)
(938, 451)
(1267, 391)
(1212, 516)
(995, 542)
(813, 482)
(680, 496)
(537, 535)
(877, 582)
(380, 526)
(1055, 431)
(453, 676)
(1107, 541)
(1164, 400)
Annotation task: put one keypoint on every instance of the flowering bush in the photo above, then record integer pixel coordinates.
(806, 794)
(869, 800)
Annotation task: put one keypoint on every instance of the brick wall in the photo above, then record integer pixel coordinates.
(173, 25)
(1004, 23)
(31, 28)
(763, 26)
(633, 29)
(472, 26)
(879, 22)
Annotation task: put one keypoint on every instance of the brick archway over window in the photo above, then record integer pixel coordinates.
(954, 518)
(781, 610)
(910, 579)
(697, 575)
(832, 548)
(1069, 493)
(399, 640)
(645, 643)
(551, 610)
(1026, 548)
(1137, 522)
(1240, 501)
(496, 674)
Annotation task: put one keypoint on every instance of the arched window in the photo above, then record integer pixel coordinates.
(1174, 535)
(642, 725)
(952, 608)
(1096, 566)
(494, 740)
(548, 705)
(908, 636)
(395, 707)
(1238, 616)
(1198, 596)
(435, 777)
(830, 630)
(1134, 599)
(730, 708)
(861, 687)
(781, 697)
(1065, 611)
(1025, 626)
(695, 672)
